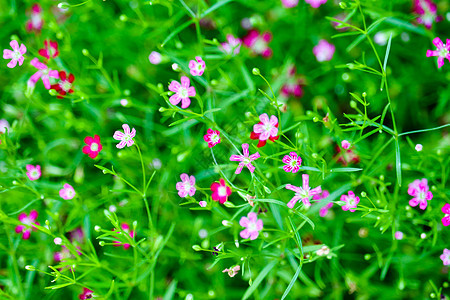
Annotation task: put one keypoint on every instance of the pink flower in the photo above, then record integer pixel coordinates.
(420, 191)
(65, 84)
(345, 144)
(316, 3)
(67, 192)
(87, 294)
(232, 271)
(427, 12)
(36, 19)
(258, 43)
(16, 55)
(65, 254)
(125, 228)
(212, 137)
(33, 172)
(293, 162)
(220, 191)
(293, 84)
(155, 58)
(324, 51)
(325, 250)
(398, 235)
(126, 138)
(232, 46)
(250, 199)
(44, 73)
(50, 49)
(442, 51)
(182, 92)
(446, 257)
(350, 200)
(324, 210)
(264, 130)
(4, 126)
(245, 160)
(446, 211)
(252, 226)
(197, 66)
(304, 193)
(347, 156)
(93, 146)
(186, 186)
(202, 203)
(289, 3)
(27, 221)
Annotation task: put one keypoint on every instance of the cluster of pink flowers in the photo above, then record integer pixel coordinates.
(421, 194)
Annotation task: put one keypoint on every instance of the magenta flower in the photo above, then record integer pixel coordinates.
(264, 130)
(289, 3)
(36, 19)
(87, 294)
(324, 210)
(293, 84)
(27, 221)
(427, 12)
(345, 144)
(442, 51)
(232, 46)
(44, 73)
(93, 146)
(65, 254)
(220, 191)
(232, 271)
(50, 49)
(245, 160)
(324, 51)
(446, 211)
(155, 58)
(446, 257)
(347, 156)
(420, 191)
(33, 172)
(293, 162)
(398, 235)
(186, 186)
(212, 137)
(67, 192)
(351, 201)
(16, 54)
(316, 3)
(77, 235)
(202, 203)
(304, 192)
(125, 228)
(126, 137)
(182, 92)
(197, 66)
(258, 43)
(252, 226)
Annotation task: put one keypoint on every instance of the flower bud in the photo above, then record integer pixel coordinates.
(256, 71)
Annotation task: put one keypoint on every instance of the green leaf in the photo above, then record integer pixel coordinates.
(388, 49)
(398, 163)
(344, 170)
(105, 170)
(214, 7)
(176, 31)
(293, 280)
(170, 290)
(264, 272)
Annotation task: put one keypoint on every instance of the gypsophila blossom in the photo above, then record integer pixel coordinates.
(421, 194)
(36, 19)
(345, 144)
(258, 43)
(197, 66)
(87, 294)
(232, 271)
(346, 156)
(182, 92)
(289, 3)
(351, 201)
(418, 147)
(93, 146)
(252, 225)
(50, 49)
(232, 46)
(445, 256)
(293, 84)
(265, 129)
(220, 191)
(33, 172)
(43, 73)
(67, 192)
(125, 229)
(212, 137)
(324, 51)
(427, 12)
(4, 126)
(323, 210)
(186, 186)
(155, 58)
(446, 211)
(398, 235)
(65, 254)
(57, 241)
(125, 137)
(202, 203)
(316, 3)
(442, 51)
(304, 193)
(77, 235)
(16, 54)
(324, 251)
(27, 221)
(293, 162)
(65, 84)
(245, 160)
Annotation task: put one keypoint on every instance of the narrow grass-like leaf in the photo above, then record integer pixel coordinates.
(424, 130)
(214, 7)
(344, 170)
(291, 284)
(176, 31)
(386, 56)
(170, 290)
(264, 272)
(398, 163)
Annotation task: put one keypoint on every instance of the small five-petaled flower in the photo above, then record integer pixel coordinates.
(126, 137)
(252, 225)
(420, 191)
(16, 54)
(33, 172)
(186, 186)
(182, 92)
(27, 221)
(304, 193)
(245, 160)
(442, 51)
(351, 201)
